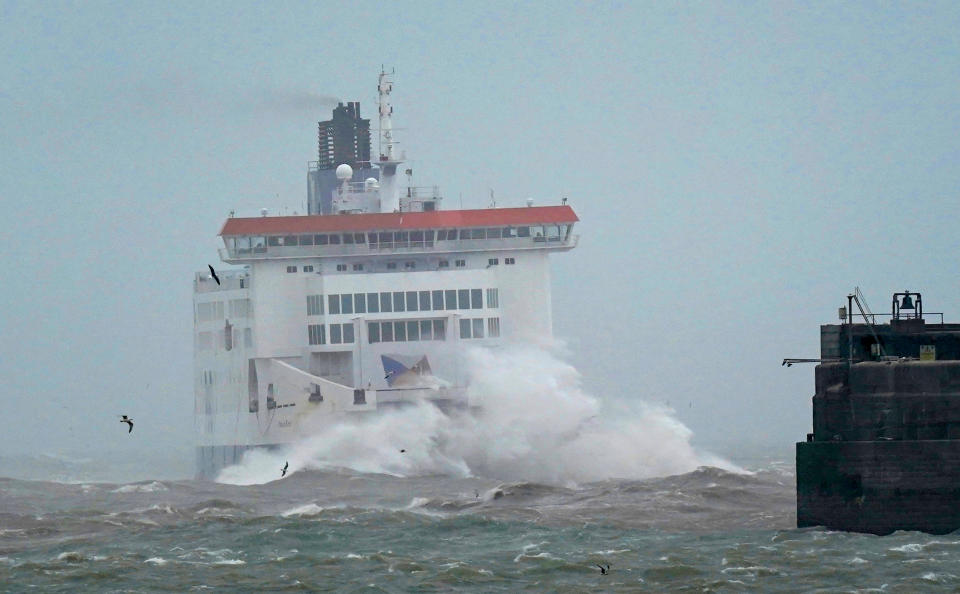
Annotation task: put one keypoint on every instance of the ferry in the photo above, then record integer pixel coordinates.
(364, 304)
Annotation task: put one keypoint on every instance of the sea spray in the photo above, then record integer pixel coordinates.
(531, 421)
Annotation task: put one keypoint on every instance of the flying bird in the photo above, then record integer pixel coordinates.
(389, 373)
(283, 471)
(128, 421)
(213, 273)
(403, 451)
(603, 570)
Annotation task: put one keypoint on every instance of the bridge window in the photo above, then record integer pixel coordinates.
(438, 300)
(400, 331)
(373, 332)
(398, 304)
(493, 233)
(412, 301)
(424, 300)
(334, 240)
(346, 304)
(463, 296)
(373, 303)
(464, 328)
(451, 299)
(476, 298)
(321, 239)
(306, 240)
(385, 303)
(360, 303)
(333, 304)
(290, 240)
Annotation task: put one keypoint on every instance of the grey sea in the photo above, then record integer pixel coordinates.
(706, 531)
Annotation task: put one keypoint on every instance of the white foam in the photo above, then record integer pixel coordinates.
(908, 548)
(418, 502)
(157, 561)
(230, 562)
(152, 487)
(537, 424)
(308, 509)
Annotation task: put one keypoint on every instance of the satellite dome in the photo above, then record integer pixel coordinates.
(344, 172)
(370, 182)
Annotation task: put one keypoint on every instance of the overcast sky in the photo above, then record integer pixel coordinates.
(737, 167)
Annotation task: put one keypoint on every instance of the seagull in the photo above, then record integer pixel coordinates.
(403, 451)
(213, 273)
(128, 421)
(603, 571)
(283, 471)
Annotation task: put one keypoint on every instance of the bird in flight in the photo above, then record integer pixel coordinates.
(603, 570)
(213, 273)
(128, 421)
(403, 451)
(283, 471)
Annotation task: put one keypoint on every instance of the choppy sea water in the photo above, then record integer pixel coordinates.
(704, 531)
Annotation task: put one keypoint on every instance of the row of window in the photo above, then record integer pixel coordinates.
(385, 239)
(473, 327)
(399, 301)
(405, 331)
(339, 334)
(213, 310)
(409, 265)
(219, 340)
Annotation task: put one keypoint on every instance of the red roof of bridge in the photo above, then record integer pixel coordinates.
(438, 219)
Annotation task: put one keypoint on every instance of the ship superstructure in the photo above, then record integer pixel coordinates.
(366, 304)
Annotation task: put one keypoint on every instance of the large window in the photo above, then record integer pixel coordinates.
(385, 303)
(439, 329)
(426, 330)
(399, 331)
(333, 304)
(493, 298)
(413, 330)
(493, 327)
(336, 337)
(346, 303)
(412, 301)
(386, 331)
(463, 296)
(451, 299)
(347, 330)
(373, 303)
(314, 305)
(360, 303)
(315, 334)
(478, 327)
(465, 328)
(398, 301)
(438, 300)
(373, 332)
(476, 298)
(424, 300)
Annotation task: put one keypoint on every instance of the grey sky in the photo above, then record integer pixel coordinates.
(737, 167)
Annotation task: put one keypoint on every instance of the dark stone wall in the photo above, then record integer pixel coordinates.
(879, 486)
(887, 400)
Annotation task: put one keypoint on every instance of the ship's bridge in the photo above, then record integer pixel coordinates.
(312, 236)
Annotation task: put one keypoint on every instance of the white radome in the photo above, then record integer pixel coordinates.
(344, 171)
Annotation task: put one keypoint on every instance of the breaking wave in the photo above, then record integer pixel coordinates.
(536, 423)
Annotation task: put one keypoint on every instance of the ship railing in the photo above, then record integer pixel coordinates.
(400, 247)
(871, 318)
